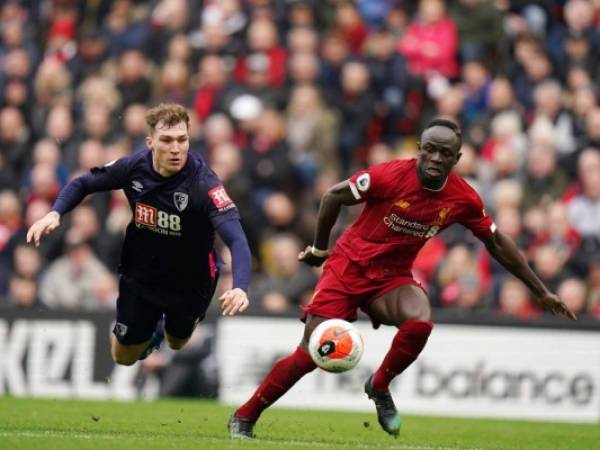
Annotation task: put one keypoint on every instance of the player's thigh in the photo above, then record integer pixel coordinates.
(136, 316)
(311, 323)
(186, 310)
(407, 302)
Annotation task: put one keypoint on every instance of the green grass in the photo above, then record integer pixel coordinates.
(175, 424)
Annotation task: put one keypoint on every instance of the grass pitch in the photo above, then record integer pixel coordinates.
(198, 425)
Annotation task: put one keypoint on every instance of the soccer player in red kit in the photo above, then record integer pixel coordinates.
(406, 202)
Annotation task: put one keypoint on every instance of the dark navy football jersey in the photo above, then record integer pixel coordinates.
(171, 236)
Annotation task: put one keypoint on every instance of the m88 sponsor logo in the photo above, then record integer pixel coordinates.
(154, 219)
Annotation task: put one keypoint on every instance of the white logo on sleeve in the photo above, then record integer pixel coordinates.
(120, 329)
(137, 186)
(363, 182)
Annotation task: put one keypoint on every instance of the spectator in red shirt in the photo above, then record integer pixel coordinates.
(431, 41)
(263, 38)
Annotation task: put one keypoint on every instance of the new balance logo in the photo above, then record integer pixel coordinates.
(137, 186)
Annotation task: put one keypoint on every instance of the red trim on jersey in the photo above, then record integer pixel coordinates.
(212, 264)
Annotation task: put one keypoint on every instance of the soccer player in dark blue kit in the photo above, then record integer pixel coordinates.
(168, 270)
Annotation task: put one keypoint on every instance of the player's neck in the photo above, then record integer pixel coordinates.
(434, 187)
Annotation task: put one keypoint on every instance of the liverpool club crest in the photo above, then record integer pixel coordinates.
(181, 200)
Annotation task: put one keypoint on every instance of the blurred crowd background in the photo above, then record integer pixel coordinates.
(288, 97)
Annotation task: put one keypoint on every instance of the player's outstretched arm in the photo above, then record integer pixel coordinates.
(42, 227)
(235, 300)
(506, 252)
(99, 179)
(332, 201)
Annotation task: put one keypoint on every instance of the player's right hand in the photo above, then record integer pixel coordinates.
(42, 227)
(234, 301)
(308, 257)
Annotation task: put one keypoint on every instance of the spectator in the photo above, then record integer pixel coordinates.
(133, 82)
(14, 142)
(572, 291)
(355, 103)
(69, 282)
(584, 208)
(264, 39)
(430, 43)
(479, 25)
(286, 282)
(267, 157)
(23, 293)
(389, 80)
(543, 180)
(476, 90)
(513, 300)
(312, 133)
(212, 77)
(548, 104)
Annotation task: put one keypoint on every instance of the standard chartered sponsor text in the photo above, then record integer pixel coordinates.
(401, 225)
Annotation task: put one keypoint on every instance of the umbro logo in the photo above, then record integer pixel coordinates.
(137, 186)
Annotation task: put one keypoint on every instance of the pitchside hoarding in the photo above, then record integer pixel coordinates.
(477, 371)
(62, 355)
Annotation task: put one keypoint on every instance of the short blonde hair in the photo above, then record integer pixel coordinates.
(169, 113)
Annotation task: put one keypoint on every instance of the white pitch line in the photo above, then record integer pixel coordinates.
(112, 436)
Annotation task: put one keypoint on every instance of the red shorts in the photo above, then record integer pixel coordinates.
(344, 287)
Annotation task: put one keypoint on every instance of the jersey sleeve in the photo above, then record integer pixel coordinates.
(112, 175)
(476, 218)
(371, 183)
(108, 177)
(218, 205)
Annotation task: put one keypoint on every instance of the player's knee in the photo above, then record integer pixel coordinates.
(124, 359)
(176, 344)
(420, 312)
(423, 315)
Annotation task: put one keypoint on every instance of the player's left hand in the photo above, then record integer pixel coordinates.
(551, 302)
(307, 256)
(234, 301)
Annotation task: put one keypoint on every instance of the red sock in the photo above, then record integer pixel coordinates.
(406, 346)
(284, 374)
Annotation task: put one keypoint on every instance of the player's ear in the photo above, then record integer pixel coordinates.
(149, 142)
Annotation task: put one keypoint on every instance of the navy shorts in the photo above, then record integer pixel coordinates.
(140, 307)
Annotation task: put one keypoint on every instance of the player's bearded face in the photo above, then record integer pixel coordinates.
(170, 146)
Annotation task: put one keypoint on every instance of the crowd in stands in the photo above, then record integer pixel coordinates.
(288, 97)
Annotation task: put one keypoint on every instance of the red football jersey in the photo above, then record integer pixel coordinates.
(400, 215)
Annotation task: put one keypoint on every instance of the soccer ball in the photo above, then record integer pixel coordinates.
(336, 345)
